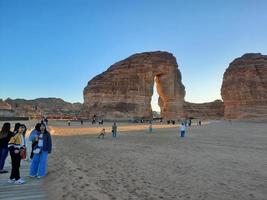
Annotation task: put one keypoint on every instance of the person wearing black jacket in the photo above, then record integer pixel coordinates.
(17, 146)
(5, 136)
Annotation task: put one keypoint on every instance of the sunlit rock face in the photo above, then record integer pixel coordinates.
(124, 90)
(244, 88)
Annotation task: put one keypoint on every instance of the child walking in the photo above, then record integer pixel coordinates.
(102, 134)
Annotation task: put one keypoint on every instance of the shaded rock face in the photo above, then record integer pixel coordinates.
(244, 88)
(210, 110)
(50, 107)
(124, 91)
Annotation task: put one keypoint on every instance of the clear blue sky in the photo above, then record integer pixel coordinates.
(51, 48)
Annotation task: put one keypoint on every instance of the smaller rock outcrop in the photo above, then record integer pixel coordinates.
(5, 109)
(51, 107)
(210, 110)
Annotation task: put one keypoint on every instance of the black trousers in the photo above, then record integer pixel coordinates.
(15, 158)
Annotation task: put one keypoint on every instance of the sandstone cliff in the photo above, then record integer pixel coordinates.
(210, 110)
(124, 91)
(244, 88)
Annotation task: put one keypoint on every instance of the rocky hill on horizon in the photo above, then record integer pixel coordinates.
(55, 108)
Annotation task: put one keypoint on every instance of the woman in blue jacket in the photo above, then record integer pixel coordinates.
(41, 151)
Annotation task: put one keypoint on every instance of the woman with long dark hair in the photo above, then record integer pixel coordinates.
(16, 128)
(17, 145)
(41, 151)
(5, 136)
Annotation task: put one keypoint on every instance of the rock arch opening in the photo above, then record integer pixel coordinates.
(154, 99)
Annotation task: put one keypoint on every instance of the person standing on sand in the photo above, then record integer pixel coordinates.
(32, 136)
(150, 127)
(41, 151)
(46, 121)
(5, 135)
(114, 129)
(182, 130)
(102, 134)
(189, 122)
(68, 122)
(16, 145)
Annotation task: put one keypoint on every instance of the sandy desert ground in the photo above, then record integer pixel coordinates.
(220, 160)
(215, 161)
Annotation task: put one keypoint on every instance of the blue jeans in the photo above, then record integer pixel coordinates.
(182, 133)
(3, 155)
(39, 164)
(114, 133)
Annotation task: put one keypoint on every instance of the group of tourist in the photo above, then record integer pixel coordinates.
(15, 143)
(100, 122)
(150, 129)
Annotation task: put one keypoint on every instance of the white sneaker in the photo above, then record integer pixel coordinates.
(19, 182)
(11, 180)
(39, 177)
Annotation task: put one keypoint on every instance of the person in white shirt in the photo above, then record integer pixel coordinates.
(182, 130)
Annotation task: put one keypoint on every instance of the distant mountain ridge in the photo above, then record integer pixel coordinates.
(50, 107)
(57, 108)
